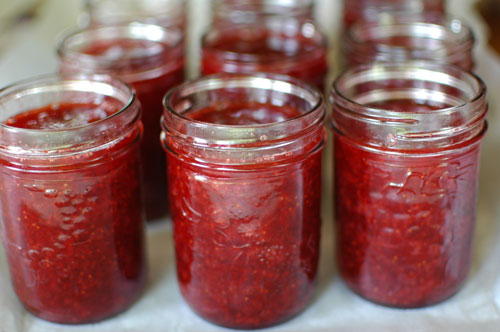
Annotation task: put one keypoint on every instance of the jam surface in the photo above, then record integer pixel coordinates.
(64, 116)
(247, 240)
(73, 234)
(152, 68)
(404, 221)
(244, 113)
(240, 50)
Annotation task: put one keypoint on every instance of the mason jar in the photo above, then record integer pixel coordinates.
(249, 36)
(151, 59)
(406, 152)
(244, 170)
(70, 196)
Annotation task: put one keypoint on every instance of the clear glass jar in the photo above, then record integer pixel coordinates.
(71, 213)
(151, 59)
(374, 10)
(249, 36)
(166, 13)
(244, 170)
(401, 38)
(406, 152)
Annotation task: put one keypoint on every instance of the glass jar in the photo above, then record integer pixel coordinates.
(401, 38)
(71, 213)
(151, 59)
(166, 13)
(406, 152)
(244, 170)
(265, 36)
(375, 10)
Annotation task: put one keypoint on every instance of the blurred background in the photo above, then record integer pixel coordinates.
(30, 30)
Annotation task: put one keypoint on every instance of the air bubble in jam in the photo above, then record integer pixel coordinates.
(391, 139)
(51, 193)
(63, 116)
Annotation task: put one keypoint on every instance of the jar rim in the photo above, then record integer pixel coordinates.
(171, 36)
(414, 27)
(252, 144)
(294, 7)
(458, 119)
(410, 4)
(168, 6)
(416, 66)
(239, 80)
(23, 85)
(59, 141)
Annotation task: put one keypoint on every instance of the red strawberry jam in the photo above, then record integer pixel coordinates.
(72, 224)
(63, 116)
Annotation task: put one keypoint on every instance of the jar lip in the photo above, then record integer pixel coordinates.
(403, 4)
(399, 25)
(171, 36)
(253, 144)
(169, 7)
(31, 83)
(243, 80)
(241, 137)
(416, 66)
(295, 7)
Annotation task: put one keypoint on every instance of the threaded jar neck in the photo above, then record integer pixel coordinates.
(47, 146)
(133, 51)
(239, 145)
(417, 107)
(400, 38)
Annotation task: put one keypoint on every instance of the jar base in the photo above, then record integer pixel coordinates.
(416, 305)
(249, 327)
(65, 321)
